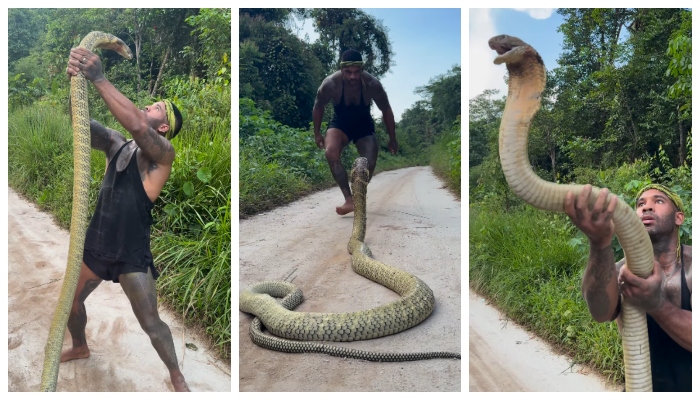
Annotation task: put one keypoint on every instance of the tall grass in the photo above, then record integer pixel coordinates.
(523, 262)
(446, 158)
(191, 234)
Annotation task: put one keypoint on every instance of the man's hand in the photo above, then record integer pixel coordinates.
(320, 141)
(596, 223)
(647, 294)
(393, 146)
(87, 62)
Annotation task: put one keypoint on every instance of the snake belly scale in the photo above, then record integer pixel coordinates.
(301, 332)
(80, 117)
(526, 81)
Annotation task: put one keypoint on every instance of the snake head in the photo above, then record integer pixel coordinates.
(512, 50)
(121, 48)
(360, 169)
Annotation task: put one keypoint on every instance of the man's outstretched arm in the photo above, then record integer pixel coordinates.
(153, 145)
(323, 96)
(382, 100)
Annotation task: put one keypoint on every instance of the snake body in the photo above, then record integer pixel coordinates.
(526, 82)
(304, 329)
(81, 184)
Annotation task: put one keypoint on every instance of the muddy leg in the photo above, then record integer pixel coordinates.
(140, 288)
(369, 149)
(87, 282)
(335, 143)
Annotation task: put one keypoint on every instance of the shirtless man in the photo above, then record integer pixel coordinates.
(665, 295)
(117, 243)
(352, 90)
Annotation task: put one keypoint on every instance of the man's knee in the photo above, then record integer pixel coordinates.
(333, 153)
(152, 325)
(371, 163)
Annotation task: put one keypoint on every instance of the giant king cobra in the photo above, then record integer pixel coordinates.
(304, 328)
(78, 226)
(526, 81)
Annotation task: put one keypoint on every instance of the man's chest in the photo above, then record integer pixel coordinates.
(673, 287)
(142, 163)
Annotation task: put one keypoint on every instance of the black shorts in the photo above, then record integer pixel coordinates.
(109, 269)
(353, 133)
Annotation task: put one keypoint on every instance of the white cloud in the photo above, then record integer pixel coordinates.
(483, 73)
(537, 13)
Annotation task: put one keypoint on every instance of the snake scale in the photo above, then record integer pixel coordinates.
(299, 332)
(81, 184)
(527, 79)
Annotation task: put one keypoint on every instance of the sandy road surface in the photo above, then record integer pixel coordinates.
(413, 224)
(503, 357)
(122, 357)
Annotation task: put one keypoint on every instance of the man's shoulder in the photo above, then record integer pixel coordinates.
(334, 77)
(370, 81)
(330, 82)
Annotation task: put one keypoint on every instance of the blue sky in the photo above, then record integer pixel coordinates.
(537, 27)
(426, 43)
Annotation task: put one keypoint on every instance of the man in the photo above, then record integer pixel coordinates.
(665, 295)
(117, 243)
(352, 90)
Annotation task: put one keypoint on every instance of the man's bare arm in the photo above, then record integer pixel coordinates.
(599, 286)
(157, 148)
(104, 139)
(323, 96)
(677, 323)
(382, 100)
(154, 146)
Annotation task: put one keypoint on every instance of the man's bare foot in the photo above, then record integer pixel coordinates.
(178, 381)
(75, 352)
(348, 207)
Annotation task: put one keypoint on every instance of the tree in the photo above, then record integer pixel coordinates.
(341, 29)
(25, 27)
(284, 72)
(444, 93)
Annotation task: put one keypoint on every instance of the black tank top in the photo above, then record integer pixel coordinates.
(671, 364)
(357, 118)
(120, 228)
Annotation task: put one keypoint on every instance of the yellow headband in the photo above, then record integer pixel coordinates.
(351, 64)
(674, 198)
(171, 119)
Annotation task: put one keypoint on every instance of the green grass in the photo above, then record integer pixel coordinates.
(191, 234)
(445, 158)
(522, 262)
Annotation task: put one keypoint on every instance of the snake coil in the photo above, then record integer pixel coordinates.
(414, 306)
(80, 117)
(526, 81)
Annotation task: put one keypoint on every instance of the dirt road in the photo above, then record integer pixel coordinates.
(122, 357)
(413, 223)
(503, 357)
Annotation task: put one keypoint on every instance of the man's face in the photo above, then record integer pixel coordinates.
(351, 75)
(658, 213)
(157, 117)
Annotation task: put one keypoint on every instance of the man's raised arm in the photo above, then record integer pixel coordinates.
(153, 145)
